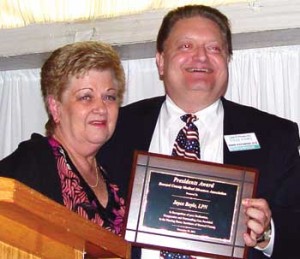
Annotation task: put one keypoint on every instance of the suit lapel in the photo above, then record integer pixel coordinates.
(236, 122)
(233, 124)
(149, 115)
(227, 129)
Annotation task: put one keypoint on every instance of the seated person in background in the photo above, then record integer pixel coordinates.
(82, 86)
(193, 52)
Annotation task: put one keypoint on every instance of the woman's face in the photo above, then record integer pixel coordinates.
(88, 109)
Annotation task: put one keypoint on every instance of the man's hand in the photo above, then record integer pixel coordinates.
(258, 220)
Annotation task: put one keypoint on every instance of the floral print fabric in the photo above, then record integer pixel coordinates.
(78, 196)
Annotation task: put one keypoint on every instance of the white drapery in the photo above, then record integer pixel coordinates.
(21, 108)
(18, 13)
(266, 78)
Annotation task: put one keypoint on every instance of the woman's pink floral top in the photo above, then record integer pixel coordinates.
(78, 196)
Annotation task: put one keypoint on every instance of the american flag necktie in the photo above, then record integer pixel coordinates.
(187, 141)
(186, 145)
(169, 255)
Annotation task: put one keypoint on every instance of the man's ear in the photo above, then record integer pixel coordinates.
(53, 107)
(160, 63)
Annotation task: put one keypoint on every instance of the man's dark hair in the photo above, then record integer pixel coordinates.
(190, 11)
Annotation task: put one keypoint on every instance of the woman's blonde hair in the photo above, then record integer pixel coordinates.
(75, 60)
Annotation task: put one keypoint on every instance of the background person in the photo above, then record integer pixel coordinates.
(82, 85)
(193, 51)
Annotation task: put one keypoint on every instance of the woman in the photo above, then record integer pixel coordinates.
(82, 86)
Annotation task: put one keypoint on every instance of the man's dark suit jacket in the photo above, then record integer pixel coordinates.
(277, 160)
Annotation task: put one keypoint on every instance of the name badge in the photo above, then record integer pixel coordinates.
(241, 142)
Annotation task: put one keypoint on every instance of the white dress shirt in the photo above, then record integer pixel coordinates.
(210, 127)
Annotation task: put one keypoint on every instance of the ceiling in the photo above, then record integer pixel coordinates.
(254, 24)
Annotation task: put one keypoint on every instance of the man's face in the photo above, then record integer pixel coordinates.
(194, 63)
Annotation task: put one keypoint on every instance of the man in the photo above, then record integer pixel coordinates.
(193, 51)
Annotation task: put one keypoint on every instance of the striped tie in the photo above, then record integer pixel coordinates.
(169, 255)
(187, 141)
(186, 145)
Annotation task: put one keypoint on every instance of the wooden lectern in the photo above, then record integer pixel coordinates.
(33, 226)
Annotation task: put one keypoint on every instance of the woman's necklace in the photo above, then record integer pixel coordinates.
(97, 176)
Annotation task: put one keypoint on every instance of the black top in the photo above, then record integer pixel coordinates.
(42, 164)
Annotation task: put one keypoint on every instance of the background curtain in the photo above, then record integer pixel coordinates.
(21, 108)
(266, 78)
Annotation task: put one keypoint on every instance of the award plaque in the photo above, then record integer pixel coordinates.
(188, 206)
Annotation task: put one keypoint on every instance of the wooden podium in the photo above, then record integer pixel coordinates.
(33, 226)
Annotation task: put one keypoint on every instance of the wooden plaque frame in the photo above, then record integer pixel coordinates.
(188, 206)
